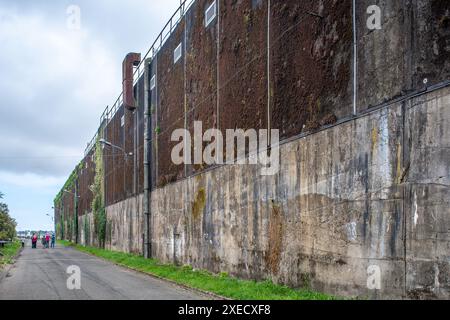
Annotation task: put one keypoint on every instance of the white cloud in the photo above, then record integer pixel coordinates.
(30, 181)
(54, 85)
(57, 83)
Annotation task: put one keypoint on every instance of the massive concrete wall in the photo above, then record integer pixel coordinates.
(369, 193)
(426, 157)
(411, 47)
(366, 195)
(124, 227)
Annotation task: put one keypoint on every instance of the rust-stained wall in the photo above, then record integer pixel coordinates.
(344, 201)
(311, 64)
(171, 109)
(86, 174)
(243, 65)
(124, 170)
(201, 71)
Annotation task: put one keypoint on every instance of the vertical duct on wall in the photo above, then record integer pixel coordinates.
(131, 60)
(269, 124)
(147, 170)
(218, 68)
(355, 62)
(185, 86)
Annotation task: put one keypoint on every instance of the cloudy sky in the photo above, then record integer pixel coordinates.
(55, 81)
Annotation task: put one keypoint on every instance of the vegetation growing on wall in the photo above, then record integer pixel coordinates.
(61, 229)
(87, 230)
(70, 183)
(98, 204)
(62, 225)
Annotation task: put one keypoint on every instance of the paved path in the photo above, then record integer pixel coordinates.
(42, 274)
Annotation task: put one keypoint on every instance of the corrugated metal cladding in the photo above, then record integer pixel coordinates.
(287, 67)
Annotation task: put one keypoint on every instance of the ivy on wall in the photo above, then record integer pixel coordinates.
(65, 229)
(87, 230)
(98, 204)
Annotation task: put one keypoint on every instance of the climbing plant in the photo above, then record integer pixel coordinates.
(87, 230)
(69, 229)
(61, 227)
(66, 228)
(98, 205)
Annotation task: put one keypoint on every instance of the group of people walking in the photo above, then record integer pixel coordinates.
(47, 240)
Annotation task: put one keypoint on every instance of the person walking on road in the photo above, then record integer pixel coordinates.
(53, 241)
(47, 240)
(34, 240)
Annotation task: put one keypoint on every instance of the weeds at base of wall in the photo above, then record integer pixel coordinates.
(221, 284)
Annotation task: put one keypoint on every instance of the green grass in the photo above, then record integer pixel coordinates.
(222, 284)
(9, 252)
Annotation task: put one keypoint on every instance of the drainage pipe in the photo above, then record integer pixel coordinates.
(355, 62)
(147, 169)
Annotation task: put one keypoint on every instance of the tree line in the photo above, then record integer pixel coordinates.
(7, 224)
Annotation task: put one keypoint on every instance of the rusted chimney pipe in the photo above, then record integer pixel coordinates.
(131, 60)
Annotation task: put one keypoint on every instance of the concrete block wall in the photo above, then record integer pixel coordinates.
(368, 194)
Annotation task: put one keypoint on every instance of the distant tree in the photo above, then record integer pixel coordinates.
(7, 224)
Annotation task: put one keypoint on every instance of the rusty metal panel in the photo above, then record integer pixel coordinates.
(171, 112)
(311, 66)
(86, 177)
(201, 71)
(140, 134)
(243, 65)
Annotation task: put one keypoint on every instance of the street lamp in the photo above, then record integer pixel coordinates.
(107, 143)
(67, 191)
(53, 220)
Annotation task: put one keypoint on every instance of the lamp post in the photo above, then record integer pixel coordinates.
(53, 220)
(109, 144)
(126, 154)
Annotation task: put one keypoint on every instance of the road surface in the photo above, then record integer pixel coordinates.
(41, 274)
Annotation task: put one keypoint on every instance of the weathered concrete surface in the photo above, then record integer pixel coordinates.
(125, 226)
(86, 230)
(427, 196)
(411, 46)
(342, 204)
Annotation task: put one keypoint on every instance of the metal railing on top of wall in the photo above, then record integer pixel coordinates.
(166, 32)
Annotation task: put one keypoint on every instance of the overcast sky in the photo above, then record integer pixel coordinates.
(54, 84)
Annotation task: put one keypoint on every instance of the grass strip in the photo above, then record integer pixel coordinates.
(9, 252)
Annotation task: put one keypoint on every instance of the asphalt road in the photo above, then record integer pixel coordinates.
(41, 274)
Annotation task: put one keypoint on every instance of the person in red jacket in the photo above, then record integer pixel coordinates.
(34, 240)
(47, 240)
